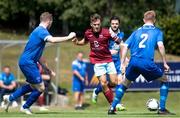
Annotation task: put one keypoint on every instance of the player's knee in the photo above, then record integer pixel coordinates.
(163, 79)
(104, 83)
(40, 87)
(126, 83)
(114, 82)
(120, 79)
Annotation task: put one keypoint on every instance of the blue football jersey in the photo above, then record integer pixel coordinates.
(79, 66)
(7, 79)
(115, 46)
(142, 42)
(35, 46)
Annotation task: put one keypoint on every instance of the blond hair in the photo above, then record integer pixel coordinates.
(150, 15)
(45, 16)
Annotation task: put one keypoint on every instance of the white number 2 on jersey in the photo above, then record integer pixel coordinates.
(144, 38)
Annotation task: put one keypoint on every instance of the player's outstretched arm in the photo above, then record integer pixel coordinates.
(61, 39)
(79, 42)
(123, 58)
(163, 55)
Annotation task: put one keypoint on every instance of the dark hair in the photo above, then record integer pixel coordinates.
(95, 17)
(115, 18)
(6, 66)
(80, 52)
(45, 16)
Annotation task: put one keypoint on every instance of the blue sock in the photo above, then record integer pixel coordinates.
(32, 98)
(20, 91)
(120, 89)
(164, 89)
(98, 89)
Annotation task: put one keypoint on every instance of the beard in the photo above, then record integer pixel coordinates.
(114, 29)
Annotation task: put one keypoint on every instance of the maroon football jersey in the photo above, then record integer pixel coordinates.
(99, 43)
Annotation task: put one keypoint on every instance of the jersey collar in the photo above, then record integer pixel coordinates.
(42, 25)
(148, 24)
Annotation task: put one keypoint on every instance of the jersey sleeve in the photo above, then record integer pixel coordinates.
(121, 35)
(74, 66)
(85, 36)
(13, 78)
(44, 34)
(114, 37)
(1, 78)
(160, 37)
(128, 42)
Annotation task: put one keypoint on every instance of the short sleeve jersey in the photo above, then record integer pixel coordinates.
(35, 46)
(114, 46)
(142, 42)
(99, 45)
(79, 66)
(7, 79)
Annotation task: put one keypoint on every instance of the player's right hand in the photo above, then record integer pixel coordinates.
(72, 35)
(166, 67)
(82, 79)
(10, 87)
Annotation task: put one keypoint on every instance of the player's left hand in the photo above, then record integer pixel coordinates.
(166, 67)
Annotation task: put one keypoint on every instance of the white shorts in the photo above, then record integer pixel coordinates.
(104, 68)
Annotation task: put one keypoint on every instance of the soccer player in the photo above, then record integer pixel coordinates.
(115, 52)
(28, 62)
(80, 79)
(100, 55)
(142, 44)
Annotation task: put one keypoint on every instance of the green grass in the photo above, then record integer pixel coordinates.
(101, 113)
(12, 35)
(134, 101)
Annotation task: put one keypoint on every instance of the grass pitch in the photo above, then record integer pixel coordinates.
(88, 113)
(135, 103)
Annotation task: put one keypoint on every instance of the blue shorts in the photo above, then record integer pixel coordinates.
(117, 64)
(78, 86)
(32, 74)
(146, 68)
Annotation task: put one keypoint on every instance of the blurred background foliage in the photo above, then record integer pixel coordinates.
(22, 16)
